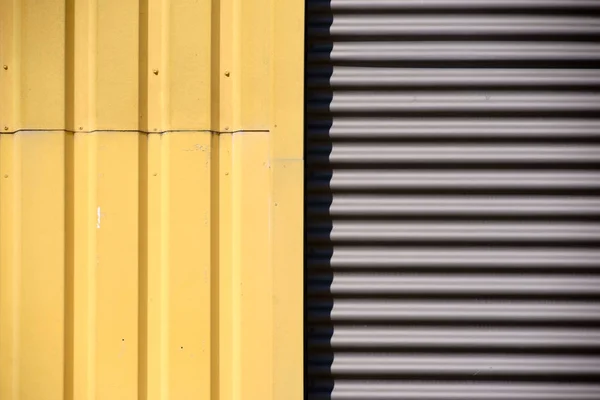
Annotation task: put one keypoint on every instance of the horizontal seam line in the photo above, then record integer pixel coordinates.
(137, 131)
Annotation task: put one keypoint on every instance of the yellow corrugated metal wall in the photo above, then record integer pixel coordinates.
(151, 199)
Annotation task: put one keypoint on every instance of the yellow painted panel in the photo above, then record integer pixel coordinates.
(191, 41)
(255, 63)
(9, 38)
(9, 268)
(40, 291)
(84, 248)
(287, 260)
(116, 265)
(151, 180)
(188, 270)
(115, 53)
(40, 63)
(251, 267)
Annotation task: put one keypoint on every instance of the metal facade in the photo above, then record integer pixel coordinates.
(151, 172)
(453, 199)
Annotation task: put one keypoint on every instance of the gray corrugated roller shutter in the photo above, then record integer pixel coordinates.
(453, 199)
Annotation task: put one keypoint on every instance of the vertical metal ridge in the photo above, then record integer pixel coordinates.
(165, 63)
(165, 178)
(236, 270)
(16, 264)
(215, 303)
(69, 299)
(90, 226)
(10, 62)
(70, 65)
(143, 294)
(155, 267)
(10, 220)
(156, 72)
(225, 274)
(143, 67)
(69, 169)
(89, 51)
(216, 76)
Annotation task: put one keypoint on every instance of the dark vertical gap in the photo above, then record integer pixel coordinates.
(69, 116)
(215, 56)
(143, 201)
(69, 210)
(143, 67)
(304, 214)
(143, 266)
(321, 387)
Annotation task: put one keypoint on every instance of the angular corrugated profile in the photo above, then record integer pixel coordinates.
(151, 174)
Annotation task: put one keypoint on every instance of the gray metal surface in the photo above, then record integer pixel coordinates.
(453, 199)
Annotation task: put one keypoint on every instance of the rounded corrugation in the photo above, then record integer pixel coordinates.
(368, 231)
(348, 284)
(464, 365)
(398, 24)
(389, 179)
(477, 258)
(383, 102)
(385, 152)
(345, 389)
(406, 5)
(444, 337)
(344, 76)
(453, 51)
(452, 206)
(344, 127)
(455, 311)
(389, 205)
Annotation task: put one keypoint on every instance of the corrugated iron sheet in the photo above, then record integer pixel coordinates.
(452, 199)
(151, 170)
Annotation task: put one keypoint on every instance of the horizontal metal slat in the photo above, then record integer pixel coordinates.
(373, 5)
(475, 128)
(425, 364)
(382, 102)
(400, 24)
(406, 205)
(342, 389)
(436, 311)
(362, 76)
(475, 338)
(453, 51)
(376, 284)
(452, 179)
(366, 230)
(379, 153)
(478, 258)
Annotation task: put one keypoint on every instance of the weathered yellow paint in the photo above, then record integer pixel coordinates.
(151, 174)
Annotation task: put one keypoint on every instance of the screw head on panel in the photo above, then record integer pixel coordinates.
(155, 71)
(227, 73)
(5, 67)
